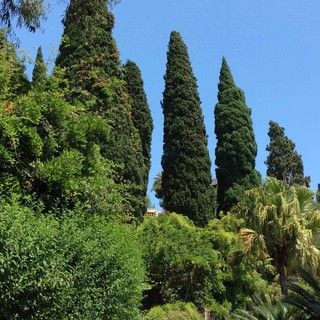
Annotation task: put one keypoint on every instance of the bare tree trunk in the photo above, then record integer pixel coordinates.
(281, 270)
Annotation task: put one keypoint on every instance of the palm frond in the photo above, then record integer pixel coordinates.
(307, 300)
(277, 311)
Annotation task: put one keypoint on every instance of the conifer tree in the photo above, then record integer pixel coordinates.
(88, 51)
(13, 80)
(283, 162)
(236, 148)
(90, 59)
(141, 115)
(40, 69)
(186, 164)
(318, 194)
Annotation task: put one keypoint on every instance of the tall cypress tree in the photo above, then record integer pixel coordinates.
(40, 69)
(318, 194)
(141, 115)
(88, 51)
(236, 148)
(186, 164)
(283, 162)
(90, 59)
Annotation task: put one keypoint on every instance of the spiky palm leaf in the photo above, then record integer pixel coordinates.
(277, 311)
(307, 300)
(283, 217)
(156, 187)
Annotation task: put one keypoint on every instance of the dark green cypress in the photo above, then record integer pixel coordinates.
(186, 164)
(141, 115)
(236, 148)
(283, 162)
(90, 59)
(40, 69)
(318, 194)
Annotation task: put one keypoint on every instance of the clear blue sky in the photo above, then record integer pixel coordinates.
(272, 48)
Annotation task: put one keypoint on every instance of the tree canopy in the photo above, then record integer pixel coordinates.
(90, 61)
(283, 220)
(141, 117)
(236, 147)
(77, 266)
(75, 150)
(283, 161)
(28, 14)
(186, 164)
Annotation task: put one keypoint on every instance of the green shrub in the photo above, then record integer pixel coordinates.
(180, 261)
(78, 267)
(174, 311)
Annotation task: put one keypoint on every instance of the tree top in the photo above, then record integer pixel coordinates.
(226, 79)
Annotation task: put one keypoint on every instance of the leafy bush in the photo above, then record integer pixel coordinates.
(174, 311)
(180, 261)
(77, 267)
(243, 279)
(54, 150)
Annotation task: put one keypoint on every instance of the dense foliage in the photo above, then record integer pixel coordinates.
(141, 116)
(191, 264)
(283, 161)
(276, 311)
(186, 164)
(242, 277)
(306, 298)
(54, 153)
(175, 311)
(180, 262)
(13, 81)
(93, 76)
(74, 163)
(283, 220)
(75, 267)
(236, 148)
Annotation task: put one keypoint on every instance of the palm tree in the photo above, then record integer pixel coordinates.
(157, 186)
(282, 219)
(307, 300)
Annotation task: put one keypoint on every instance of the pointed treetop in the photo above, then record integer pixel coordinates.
(226, 79)
(175, 35)
(141, 114)
(186, 176)
(39, 73)
(283, 162)
(236, 148)
(132, 70)
(88, 50)
(178, 68)
(177, 46)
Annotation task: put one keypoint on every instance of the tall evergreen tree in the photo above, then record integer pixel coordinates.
(236, 148)
(40, 69)
(88, 51)
(283, 162)
(186, 164)
(318, 194)
(13, 80)
(141, 115)
(90, 59)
